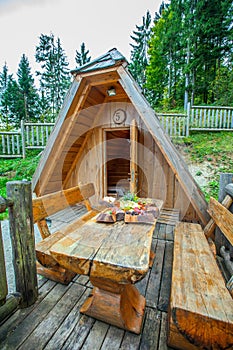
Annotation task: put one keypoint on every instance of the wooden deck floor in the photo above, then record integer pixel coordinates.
(54, 321)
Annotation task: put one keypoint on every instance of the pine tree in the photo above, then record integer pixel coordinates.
(139, 56)
(82, 57)
(28, 91)
(191, 40)
(54, 75)
(19, 99)
(4, 103)
(14, 97)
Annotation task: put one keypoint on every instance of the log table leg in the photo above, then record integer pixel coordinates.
(118, 304)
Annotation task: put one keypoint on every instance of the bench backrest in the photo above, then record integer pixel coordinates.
(54, 202)
(223, 218)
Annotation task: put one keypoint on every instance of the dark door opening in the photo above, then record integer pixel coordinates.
(118, 162)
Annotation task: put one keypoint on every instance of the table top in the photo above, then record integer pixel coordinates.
(118, 251)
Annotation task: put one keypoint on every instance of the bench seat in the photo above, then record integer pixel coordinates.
(54, 203)
(201, 307)
(43, 247)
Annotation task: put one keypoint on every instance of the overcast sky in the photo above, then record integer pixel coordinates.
(101, 24)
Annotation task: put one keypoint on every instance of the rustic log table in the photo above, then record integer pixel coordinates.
(115, 256)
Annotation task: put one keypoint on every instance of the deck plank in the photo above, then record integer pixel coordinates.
(64, 332)
(166, 278)
(18, 317)
(96, 336)
(29, 324)
(49, 325)
(153, 288)
(151, 330)
(113, 338)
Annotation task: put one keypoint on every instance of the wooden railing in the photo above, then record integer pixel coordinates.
(211, 118)
(19, 205)
(175, 124)
(36, 134)
(31, 136)
(11, 145)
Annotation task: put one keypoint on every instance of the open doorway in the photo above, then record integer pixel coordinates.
(117, 162)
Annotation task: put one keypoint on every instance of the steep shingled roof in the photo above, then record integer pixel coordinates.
(112, 58)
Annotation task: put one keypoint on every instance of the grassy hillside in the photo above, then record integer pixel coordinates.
(17, 169)
(208, 154)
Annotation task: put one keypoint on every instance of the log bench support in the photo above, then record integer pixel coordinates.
(118, 304)
(201, 307)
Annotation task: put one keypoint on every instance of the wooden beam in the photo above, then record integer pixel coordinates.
(23, 240)
(201, 308)
(133, 157)
(223, 218)
(52, 139)
(210, 227)
(55, 154)
(3, 280)
(165, 145)
(54, 202)
(99, 72)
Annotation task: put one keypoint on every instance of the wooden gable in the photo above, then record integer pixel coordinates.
(76, 151)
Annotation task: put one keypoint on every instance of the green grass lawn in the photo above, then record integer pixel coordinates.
(17, 169)
(215, 149)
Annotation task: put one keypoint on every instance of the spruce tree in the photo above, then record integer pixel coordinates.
(54, 74)
(14, 97)
(82, 57)
(190, 44)
(4, 103)
(139, 56)
(28, 91)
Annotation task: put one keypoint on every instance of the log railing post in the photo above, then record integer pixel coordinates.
(23, 139)
(220, 240)
(3, 280)
(23, 242)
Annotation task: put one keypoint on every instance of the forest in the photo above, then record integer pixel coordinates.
(182, 53)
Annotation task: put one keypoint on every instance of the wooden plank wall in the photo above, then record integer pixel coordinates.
(156, 179)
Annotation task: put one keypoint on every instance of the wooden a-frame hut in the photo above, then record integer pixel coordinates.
(107, 134)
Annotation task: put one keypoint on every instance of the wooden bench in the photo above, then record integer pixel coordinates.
(201, 307)
(47, 205)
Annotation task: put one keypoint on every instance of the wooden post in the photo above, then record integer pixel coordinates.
(3, 280)
(187, 119)
(220, 240)
(23, 139)
(12, 302)
(23, 242)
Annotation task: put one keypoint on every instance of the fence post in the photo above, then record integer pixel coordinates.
(23, 138)
(23, 242)
(187, 119)
(3, 280)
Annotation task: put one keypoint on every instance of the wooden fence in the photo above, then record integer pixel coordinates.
(11, 144)
(19, 204)
(205, 118)
(175, 124)
(211, 118)
(35, 135)
(31, 136)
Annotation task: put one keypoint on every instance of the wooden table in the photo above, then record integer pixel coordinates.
(115, 256)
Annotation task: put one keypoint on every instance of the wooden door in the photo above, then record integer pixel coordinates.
(133, 157)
